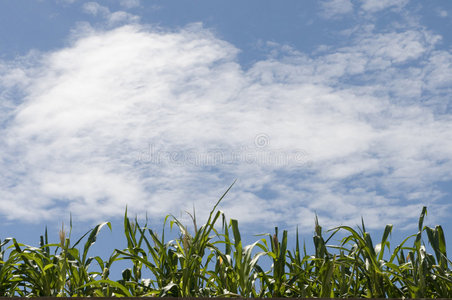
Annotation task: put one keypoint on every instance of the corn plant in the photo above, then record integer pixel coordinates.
(43, 273)
(236, 269)
(214, 262)
(9, 282)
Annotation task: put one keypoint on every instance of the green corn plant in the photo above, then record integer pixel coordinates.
(180, 261)
(441, 288)
(45, 274)
(300, 271)
(412, 271)
(192, 265)
(132, 277)
(276, 282)
(235, 271)
(41, 273)
(423, 269)
(9, 283)
(160, 259)
(373, 281)
(322, 264)
(164, 264)
(105, 287)
(191, 250)
(80, 280)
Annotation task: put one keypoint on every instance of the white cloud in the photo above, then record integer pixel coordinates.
(112, 18)
(442, 13)
(95, 8)
(66, 1)
(439, 70)
(160, 120)
(332, 8)
(129, 3)
(378, 51)
(373, 6)
(337, 8)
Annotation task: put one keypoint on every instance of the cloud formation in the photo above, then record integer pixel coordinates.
(160, 120)
(112, 18)
(129, 3)
(379, 5)
(340, 8)
(333, 8)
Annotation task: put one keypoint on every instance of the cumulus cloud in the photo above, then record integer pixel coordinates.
(160, 120)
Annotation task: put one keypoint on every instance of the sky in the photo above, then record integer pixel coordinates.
(335, 108)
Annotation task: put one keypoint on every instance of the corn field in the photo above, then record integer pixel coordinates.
(210, 262)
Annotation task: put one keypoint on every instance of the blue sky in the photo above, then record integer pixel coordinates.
(337, 108)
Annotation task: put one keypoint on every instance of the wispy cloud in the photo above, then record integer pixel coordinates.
(379, 5)
(159, 120)
(334, 8)
(129, 3)
(442, 13)
(340, 8)
(112, 18)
